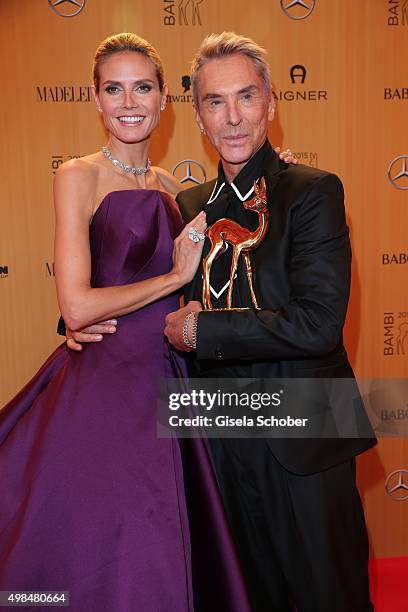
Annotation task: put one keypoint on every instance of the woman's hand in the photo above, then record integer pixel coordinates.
(93, 333)
(186, 252)
(287, 156)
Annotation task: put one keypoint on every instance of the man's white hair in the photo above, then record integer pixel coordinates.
(217, 46)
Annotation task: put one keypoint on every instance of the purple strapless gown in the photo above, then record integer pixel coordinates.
(91, 501)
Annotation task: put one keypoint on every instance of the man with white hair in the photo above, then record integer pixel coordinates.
(293, 505)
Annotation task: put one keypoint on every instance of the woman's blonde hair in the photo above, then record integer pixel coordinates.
(126, 41)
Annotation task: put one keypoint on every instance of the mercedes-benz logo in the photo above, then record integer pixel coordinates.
(398, 172)
(396, 485)
(67, 8)
(297, 9)
(189, 175)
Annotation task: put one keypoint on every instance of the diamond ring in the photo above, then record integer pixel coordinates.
(194, 235)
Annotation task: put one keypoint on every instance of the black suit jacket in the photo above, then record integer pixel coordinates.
(302, 282)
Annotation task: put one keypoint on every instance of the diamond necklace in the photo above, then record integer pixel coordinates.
(126, 167)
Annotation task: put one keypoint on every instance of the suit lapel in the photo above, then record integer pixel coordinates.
(272, 169)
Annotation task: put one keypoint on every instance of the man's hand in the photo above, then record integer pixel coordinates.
(93, 333)
(174, 325)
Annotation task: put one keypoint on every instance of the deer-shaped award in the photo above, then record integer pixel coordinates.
(242, 240)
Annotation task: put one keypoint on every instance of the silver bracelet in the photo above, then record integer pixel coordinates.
(191, 344)
(194, 331)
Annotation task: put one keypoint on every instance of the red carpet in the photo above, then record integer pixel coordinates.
(389, 584)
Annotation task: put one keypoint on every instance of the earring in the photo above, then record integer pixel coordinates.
(99, 108)
(162, 106)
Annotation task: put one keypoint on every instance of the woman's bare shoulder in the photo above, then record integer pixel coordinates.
(75, 184)
(79, 175)
(80, 168)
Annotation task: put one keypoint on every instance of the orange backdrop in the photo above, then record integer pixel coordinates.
(338, 74)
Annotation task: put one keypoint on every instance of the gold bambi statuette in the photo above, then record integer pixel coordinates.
(242, 241)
